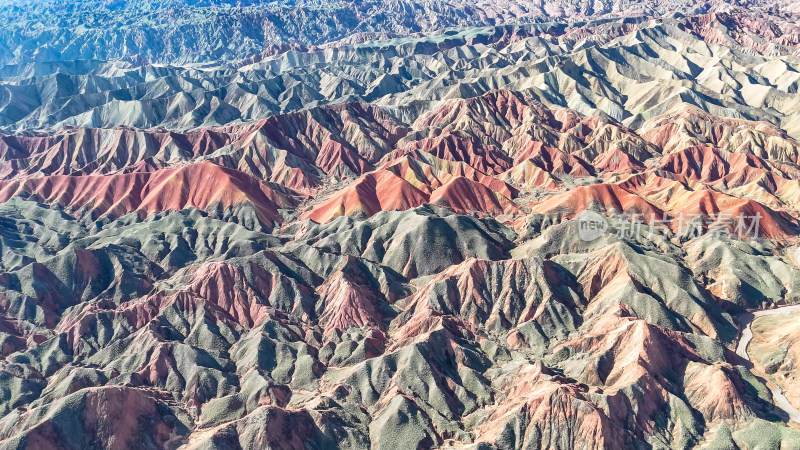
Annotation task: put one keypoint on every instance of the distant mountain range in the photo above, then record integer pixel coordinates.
(184, 32)
(628, 70)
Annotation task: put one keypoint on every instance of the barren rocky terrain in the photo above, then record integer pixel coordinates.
(390, 224)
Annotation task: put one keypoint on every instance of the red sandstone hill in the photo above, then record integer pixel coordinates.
(374, 242)
(199, 185)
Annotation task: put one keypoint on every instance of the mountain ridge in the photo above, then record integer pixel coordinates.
(514, 233)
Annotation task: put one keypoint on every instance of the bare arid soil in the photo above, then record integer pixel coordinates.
(392, 224)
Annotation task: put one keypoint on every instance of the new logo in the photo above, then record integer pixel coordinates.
(591, 225)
